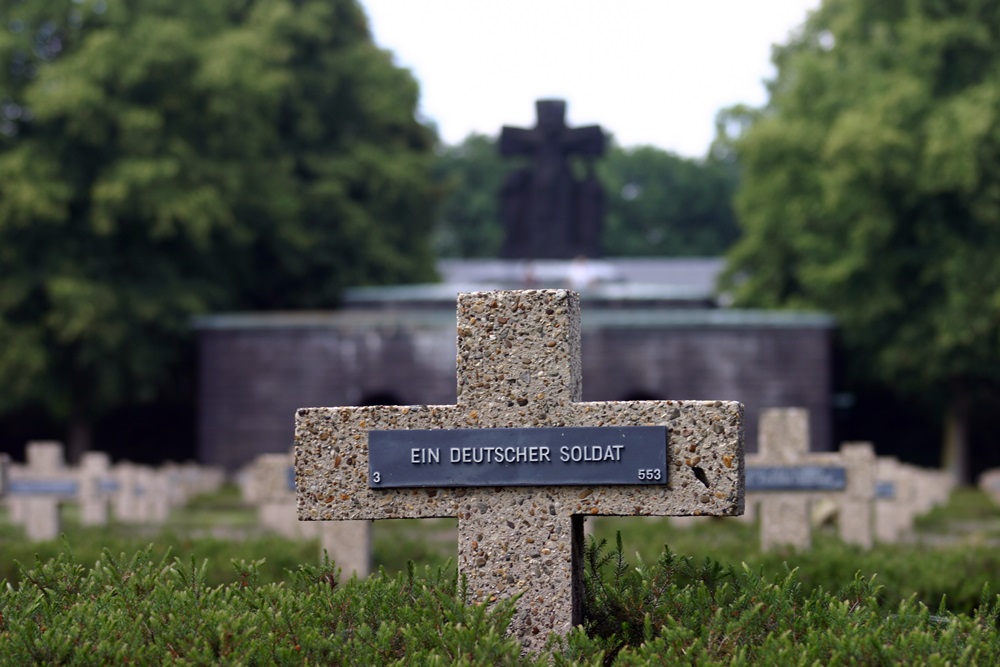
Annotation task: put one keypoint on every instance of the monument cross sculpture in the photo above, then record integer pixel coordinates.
(519, 385)
(547, 212)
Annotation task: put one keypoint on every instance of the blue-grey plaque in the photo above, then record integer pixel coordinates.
(517, 457)
(796, 478)
(108, 486)
(885, 490)
(42, 487)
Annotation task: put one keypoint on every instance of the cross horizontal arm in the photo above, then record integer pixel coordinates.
(518, 141)
(704, 462)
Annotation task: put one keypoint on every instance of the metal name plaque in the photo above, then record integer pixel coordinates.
(584, 456)
(42, 487)
(885, 490)
(803, 478)
(108, 486)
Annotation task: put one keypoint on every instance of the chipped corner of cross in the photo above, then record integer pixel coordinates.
(738, 460)
(729, 459)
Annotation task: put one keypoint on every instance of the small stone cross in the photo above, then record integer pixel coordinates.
(785, 518)
(38, 487)
(519, 365)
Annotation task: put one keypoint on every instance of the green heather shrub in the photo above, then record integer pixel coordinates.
(958, 570)
(277, 554)
(142, 610)
(197, 600)
(676, 611)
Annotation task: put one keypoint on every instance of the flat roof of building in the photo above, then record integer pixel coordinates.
(623, 292)
(597, 318)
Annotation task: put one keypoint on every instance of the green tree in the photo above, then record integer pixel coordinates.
(165, 158)
(660, 204)
(870, 190)
(657, 203)
(470, 176)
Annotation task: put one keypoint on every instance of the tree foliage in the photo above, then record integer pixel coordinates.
(871, 188)
(470, 176)
(661, 204)
(657, 203)
(163, 158)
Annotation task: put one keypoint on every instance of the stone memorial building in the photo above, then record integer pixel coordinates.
(650, 330)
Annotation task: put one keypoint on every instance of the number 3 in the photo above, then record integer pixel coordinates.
(376, 477)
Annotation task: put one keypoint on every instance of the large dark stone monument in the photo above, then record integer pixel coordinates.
(547, 212)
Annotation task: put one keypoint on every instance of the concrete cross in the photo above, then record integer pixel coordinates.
(895, 499)
(37, 488)
(270, 487)
(519, 365)
(786, 480)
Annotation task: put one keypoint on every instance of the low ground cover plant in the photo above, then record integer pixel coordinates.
(142, 610)
(710, 614)
(198, 599)
(954, 552)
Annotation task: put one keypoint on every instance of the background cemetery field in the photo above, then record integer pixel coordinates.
(218, 528)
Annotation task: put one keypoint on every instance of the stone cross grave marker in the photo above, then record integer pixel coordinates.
(270, 487)
(37, 490)
(520, 498)
(785, 479)
(96, 488)
(989, 482)
(4, 472)
(143, 495)
(895, 502)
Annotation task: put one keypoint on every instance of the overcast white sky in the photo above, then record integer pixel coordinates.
(650, 71)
